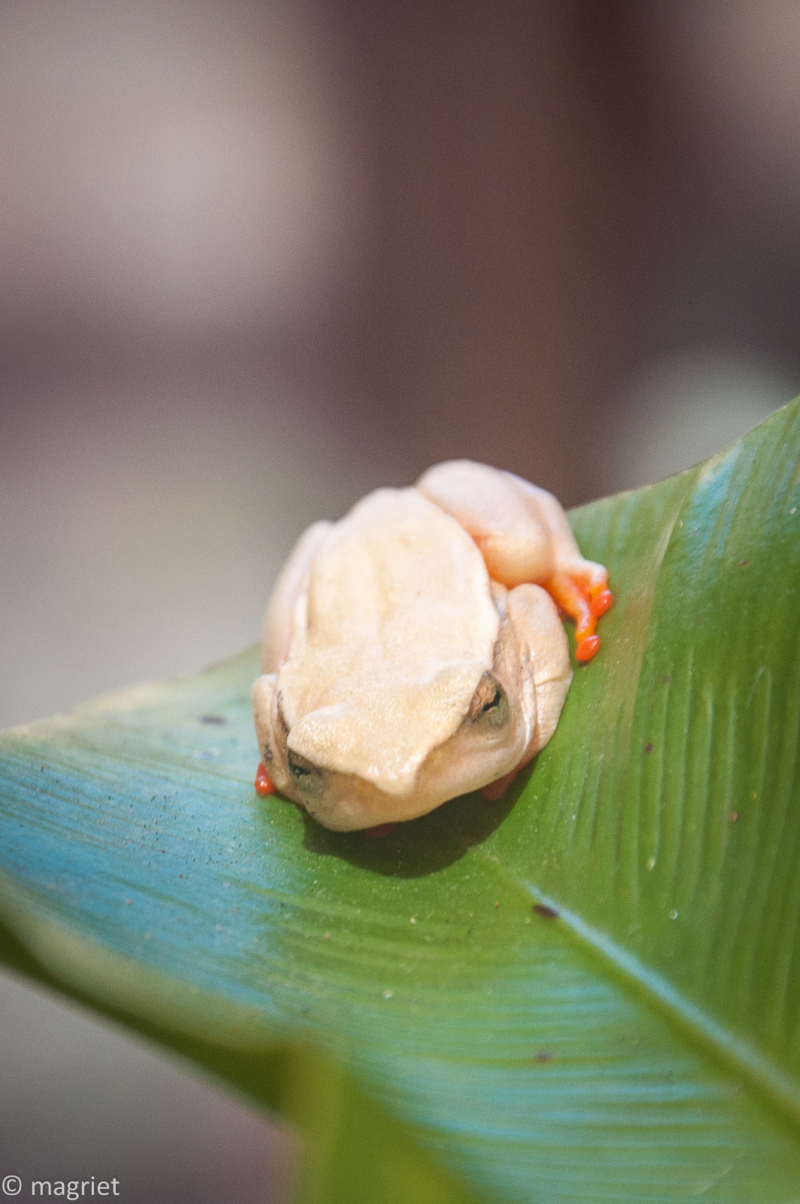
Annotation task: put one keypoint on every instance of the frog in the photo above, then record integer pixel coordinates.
(414, 651)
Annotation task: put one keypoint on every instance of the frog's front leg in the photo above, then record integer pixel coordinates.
(533, 664)
(524, 536)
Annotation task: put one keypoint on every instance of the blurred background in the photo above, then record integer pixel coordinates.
(258, 258)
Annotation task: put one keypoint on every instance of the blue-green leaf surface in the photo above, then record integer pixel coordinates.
(587, 992)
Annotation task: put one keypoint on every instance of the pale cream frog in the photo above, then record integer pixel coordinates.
(413, 651)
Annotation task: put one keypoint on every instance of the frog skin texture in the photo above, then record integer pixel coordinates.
(413, 651)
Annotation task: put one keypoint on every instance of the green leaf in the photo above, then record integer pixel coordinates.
(587, 992)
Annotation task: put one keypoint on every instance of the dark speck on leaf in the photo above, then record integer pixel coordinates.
(542, 1055)
(742, 563)
(666, 678)
(648, 748)
(214, 720)
(547, 913)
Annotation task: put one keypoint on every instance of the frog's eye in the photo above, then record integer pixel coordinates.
(307, 775)
(489, 702)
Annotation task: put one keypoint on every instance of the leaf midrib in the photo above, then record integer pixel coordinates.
(716, 1040)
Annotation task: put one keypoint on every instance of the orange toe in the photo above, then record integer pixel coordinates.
(264, 784)
(601, 602)
(587, 647)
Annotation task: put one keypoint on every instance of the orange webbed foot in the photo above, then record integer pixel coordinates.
(264, 784)
(585, 603)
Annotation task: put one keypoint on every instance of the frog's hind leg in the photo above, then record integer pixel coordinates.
(525, 537)
(503, 519)
(579, 586)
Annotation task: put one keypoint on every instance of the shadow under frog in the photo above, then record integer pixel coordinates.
(420, 846)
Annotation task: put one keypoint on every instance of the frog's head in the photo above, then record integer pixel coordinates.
(386, 750)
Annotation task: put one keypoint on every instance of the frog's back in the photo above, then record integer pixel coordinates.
(400, 578)
(394, 630)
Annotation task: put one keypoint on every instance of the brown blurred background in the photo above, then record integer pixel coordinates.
(258, 258)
